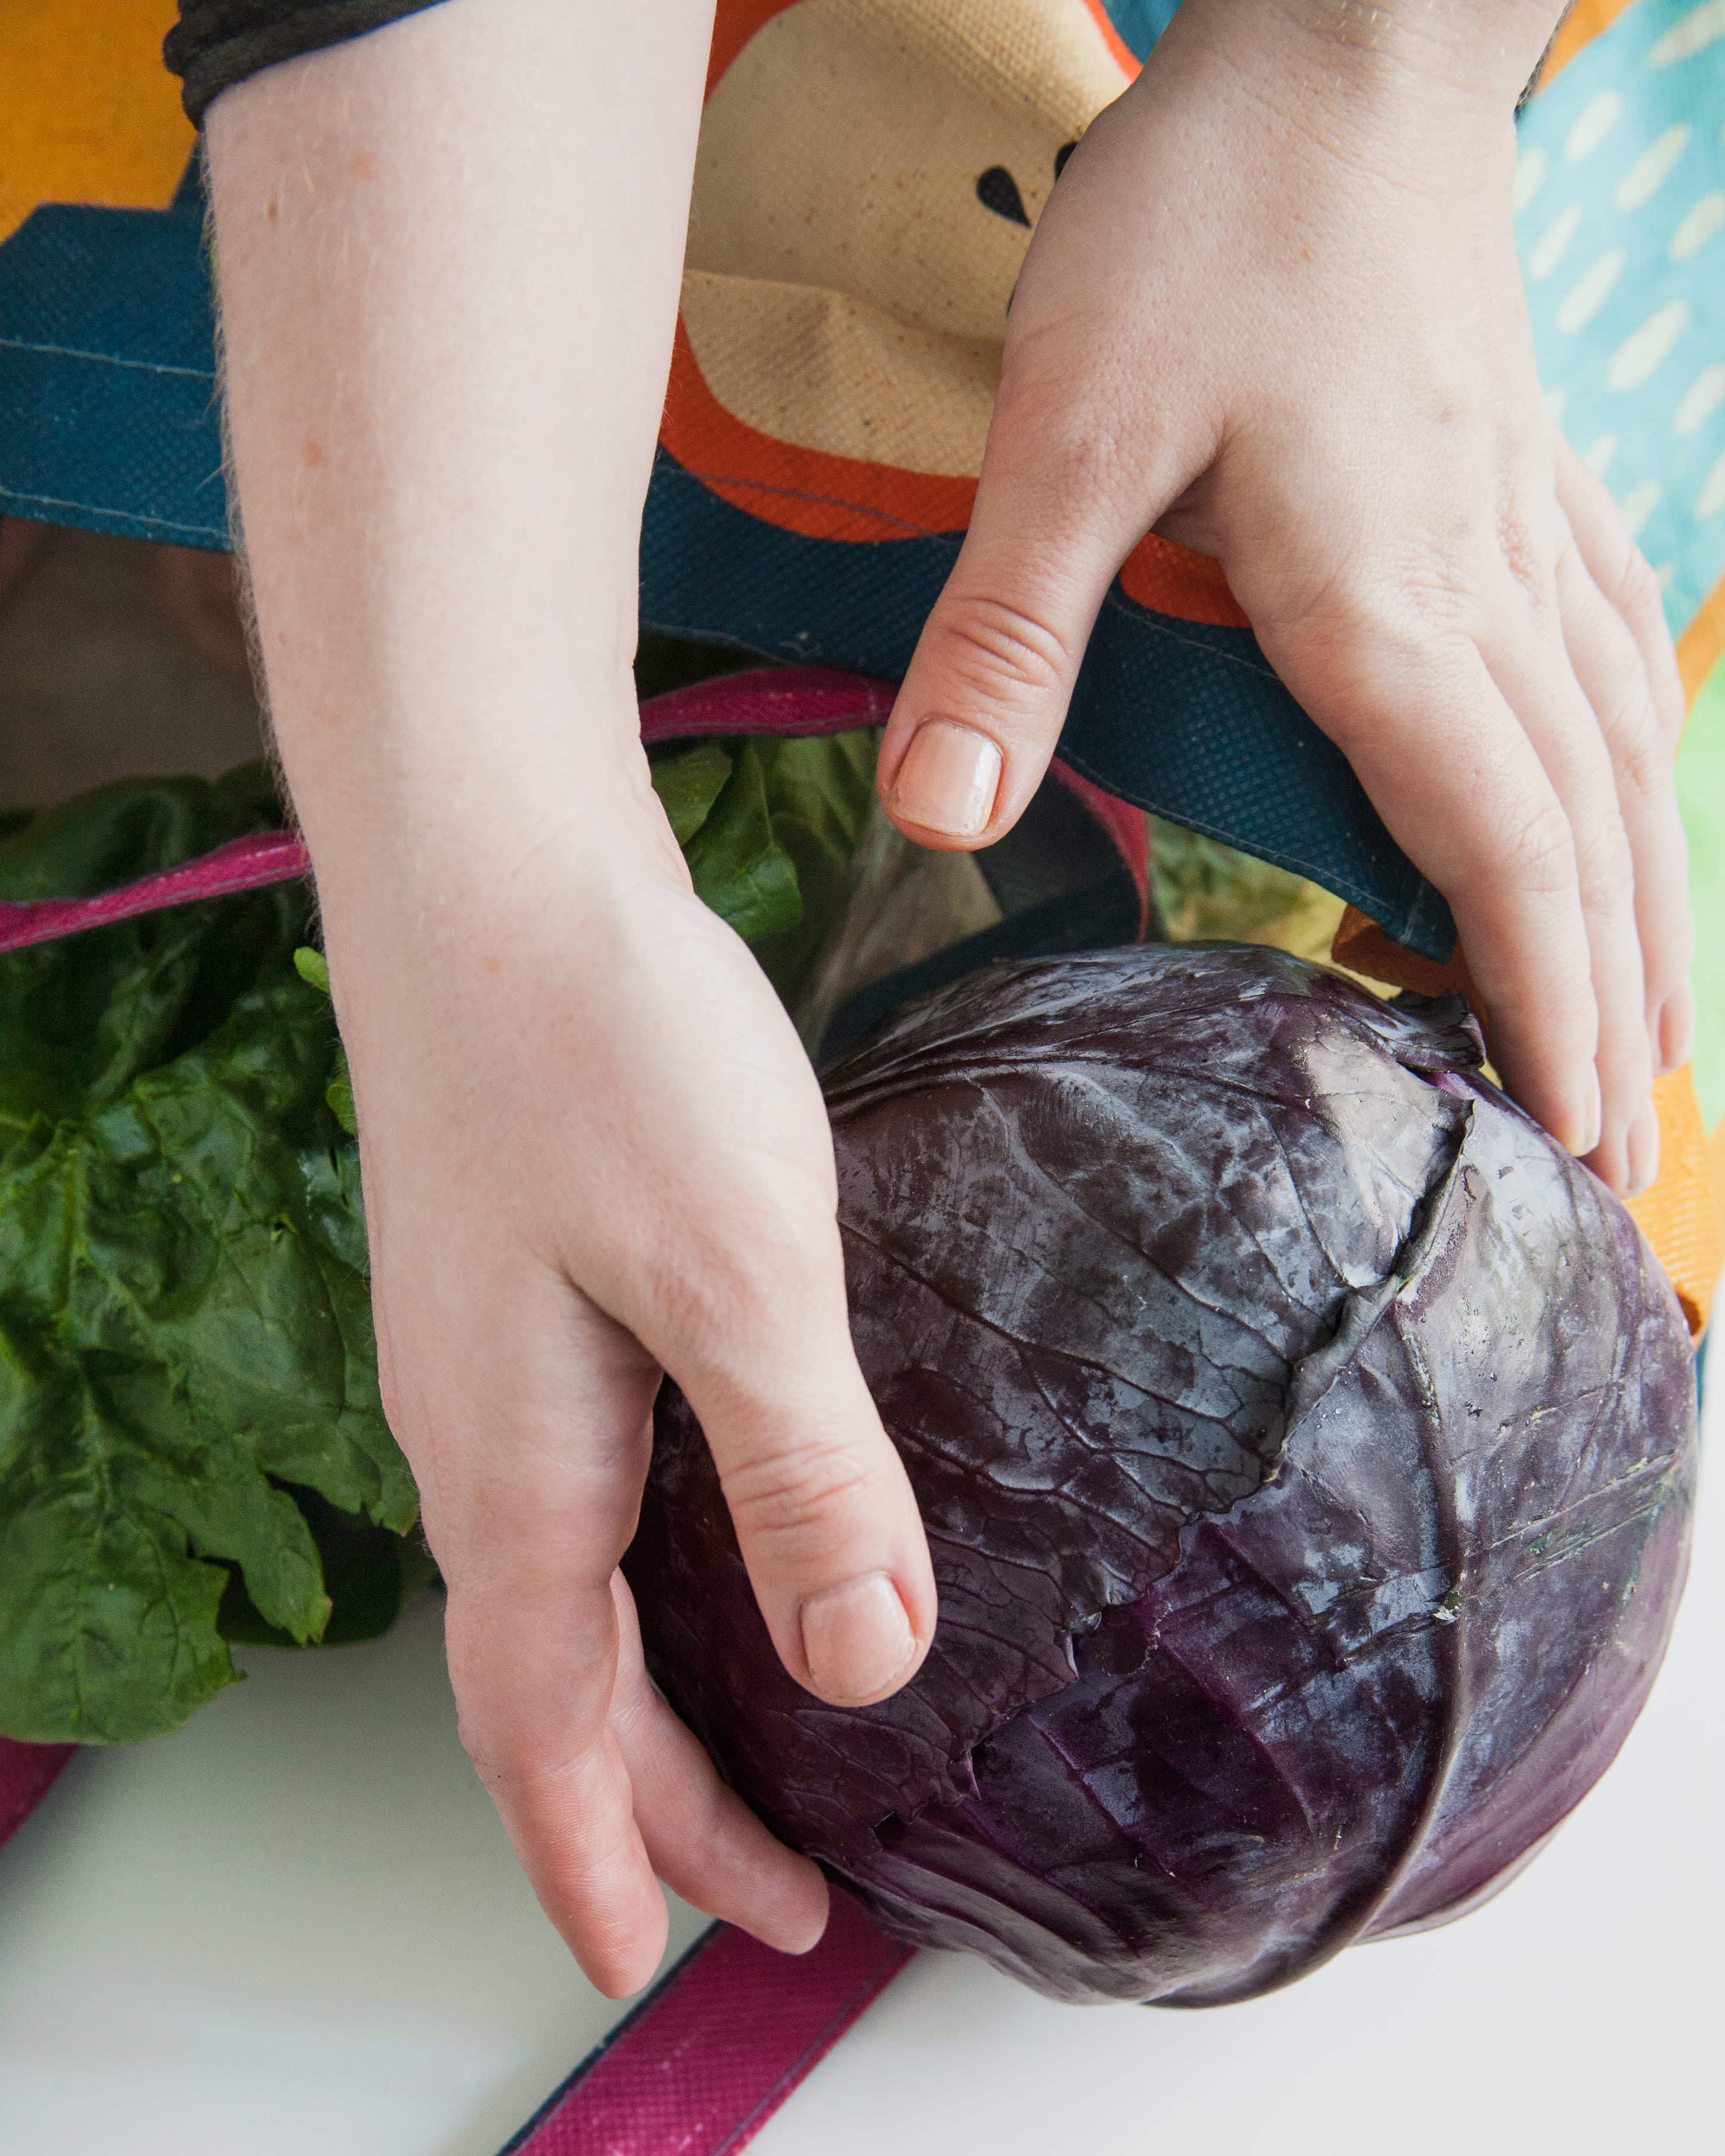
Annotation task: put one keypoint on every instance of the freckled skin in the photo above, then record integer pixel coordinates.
(1277, 1397)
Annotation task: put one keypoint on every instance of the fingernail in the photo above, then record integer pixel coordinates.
(857, 1640)
(1593, 1119)
(947, 780)
(1642, 1146)
(1674, 1034)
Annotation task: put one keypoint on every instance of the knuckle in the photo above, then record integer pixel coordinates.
(1645, 761)
(991, 646)
(521, 1768)
(728, 1298)
(798, 1492)
(1603, 858)
(1544, 852)
(1634, 589)
(1348, 642)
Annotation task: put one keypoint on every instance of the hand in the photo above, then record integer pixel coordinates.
(1273, 311)
(592, 1143)
(593, 1146)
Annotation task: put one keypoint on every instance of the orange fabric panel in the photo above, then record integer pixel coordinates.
(1682, 1214)
(1175, 580)
(1361, 946)
(89, 114)
(804, 491)
(1702, 644)
(1124, 57)
(1583, 23)
(734, 25)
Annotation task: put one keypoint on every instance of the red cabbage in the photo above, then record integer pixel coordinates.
(1305, 1444)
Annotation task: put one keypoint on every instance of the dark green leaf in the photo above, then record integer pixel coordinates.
(1204, 889)
(820, 792)
(688, 785)
(184, 1316)
(191, 1445)
(739, 867)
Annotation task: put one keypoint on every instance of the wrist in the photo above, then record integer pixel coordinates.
(421, 835)
(1483, 50)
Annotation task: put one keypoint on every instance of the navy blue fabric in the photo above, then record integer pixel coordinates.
(108, 415)
(108, 420)
(1173, 716)
(1141, 23)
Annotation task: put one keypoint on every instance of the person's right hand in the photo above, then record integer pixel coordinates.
(594, 1147)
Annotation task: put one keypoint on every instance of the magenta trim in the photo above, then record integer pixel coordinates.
(704, 2062)
(769, 700)
(27, 1774)
(250, 864)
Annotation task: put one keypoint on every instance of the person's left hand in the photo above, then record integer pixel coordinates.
(1273, 311)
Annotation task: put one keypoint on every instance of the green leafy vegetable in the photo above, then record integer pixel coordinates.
(739, 867)
(688, 785)
(313, 969)
(192, 1450)
(1205, 890)
(185, 1328)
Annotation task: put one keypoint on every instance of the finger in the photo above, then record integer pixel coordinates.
(1609, 665)
(1532, 667)
(1463, 793)
(758, 1337)
(1620, 571)
(528, 1431)
(704, 1842)
(983, 704)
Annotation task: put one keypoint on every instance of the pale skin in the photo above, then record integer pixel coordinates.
(593, 1149)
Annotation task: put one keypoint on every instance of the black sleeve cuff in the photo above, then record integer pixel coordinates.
(218, 41)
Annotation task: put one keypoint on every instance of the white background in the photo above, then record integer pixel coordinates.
(296, 1926)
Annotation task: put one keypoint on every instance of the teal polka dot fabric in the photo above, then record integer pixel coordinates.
(1620, 217)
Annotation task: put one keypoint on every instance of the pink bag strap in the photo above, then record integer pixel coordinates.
(26, 1773)
(706, 2059)
(778, 700)
(701, 2064)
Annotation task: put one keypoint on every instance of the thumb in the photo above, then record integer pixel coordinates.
(824, 1515)
(988, 686)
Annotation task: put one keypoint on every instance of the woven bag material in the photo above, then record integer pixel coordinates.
(870, 174)
(704, 2062)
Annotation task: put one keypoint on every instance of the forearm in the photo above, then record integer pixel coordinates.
(450, 256)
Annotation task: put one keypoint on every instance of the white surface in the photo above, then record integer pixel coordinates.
(296, 1926)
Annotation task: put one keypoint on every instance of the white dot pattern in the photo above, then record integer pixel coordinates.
(1700, 28)
(1555, 245)
(1700, 400)
(1700, 223)
(1651, 170)
(1624, 264)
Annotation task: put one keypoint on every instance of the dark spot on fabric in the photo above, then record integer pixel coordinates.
(998, 191)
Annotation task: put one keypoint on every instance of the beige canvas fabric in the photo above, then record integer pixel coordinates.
(845, 290)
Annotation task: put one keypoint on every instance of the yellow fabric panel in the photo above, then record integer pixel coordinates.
(88, 113)
(1682, 1215)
